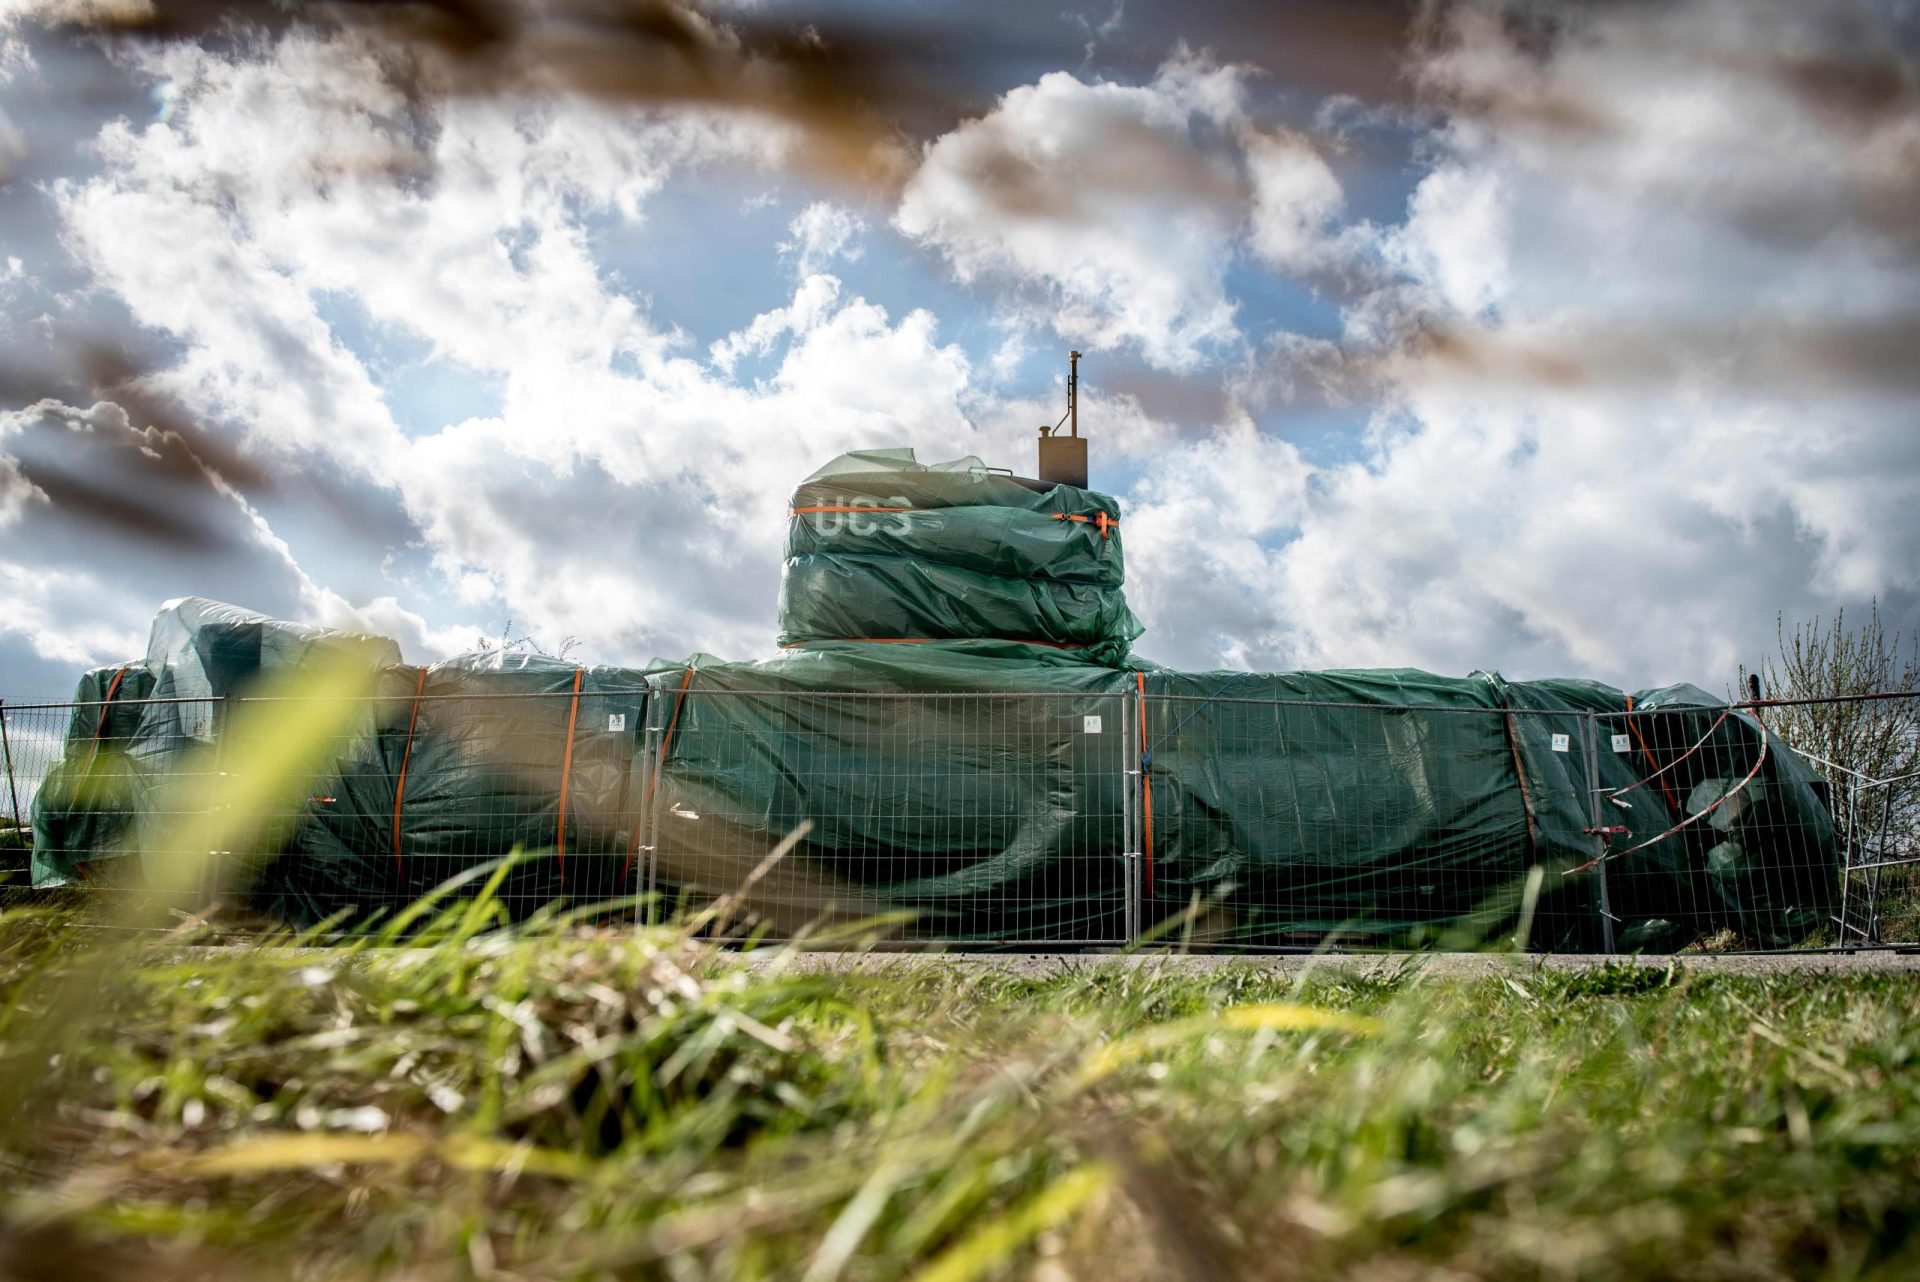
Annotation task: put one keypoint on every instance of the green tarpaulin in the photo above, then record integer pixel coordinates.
(955, 782)
(470, 760)
(84, 810)
(1399, 806)
(956, 736)
(881, 548)
(135, 727)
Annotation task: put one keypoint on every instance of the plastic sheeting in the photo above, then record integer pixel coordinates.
(153, 714)
(979, 790)
(1402, 807)
(202, 651)
(470, 760)
(84, 810)
(954, 783)
(882, 548)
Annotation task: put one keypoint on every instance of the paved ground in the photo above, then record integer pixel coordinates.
(1447, 964)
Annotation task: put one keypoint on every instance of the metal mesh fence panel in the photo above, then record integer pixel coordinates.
(973, 818)
(1303, 824)
(418, 789)
(82, 785)
(1714, 829)
(1084, 818)
(441, 785)
(963, 818)
(1865, 754)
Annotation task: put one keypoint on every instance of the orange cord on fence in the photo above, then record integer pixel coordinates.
(1606, 834)
(406, 755)
(1661, 772)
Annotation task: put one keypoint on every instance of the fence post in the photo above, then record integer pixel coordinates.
(13, 789)
(648, 818)
(213, 870)
(1590, 749)
(1130, 812)
(1844, 824)
(1879, 858)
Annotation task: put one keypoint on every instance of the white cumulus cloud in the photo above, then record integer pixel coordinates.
(1122, 205)
(1657, 437)
(820, 234)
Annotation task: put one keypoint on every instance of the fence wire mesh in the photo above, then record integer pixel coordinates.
(1020, 820)
(1866, 753)
(1295, 824)
(962, 817)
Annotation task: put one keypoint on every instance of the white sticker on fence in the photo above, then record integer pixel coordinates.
(616, 721)
(1621, 743)
(1561, 743)
(1092, 725)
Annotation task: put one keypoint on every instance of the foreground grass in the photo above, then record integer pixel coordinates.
(563, 1105)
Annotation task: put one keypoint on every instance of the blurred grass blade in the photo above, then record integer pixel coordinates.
(1279, 1016)
(1529, 905)
(308, 1151)
(296, 1152)
(279, 738)
(988, 1247)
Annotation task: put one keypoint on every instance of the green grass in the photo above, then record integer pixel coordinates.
(1900, 903)
(547, 1104)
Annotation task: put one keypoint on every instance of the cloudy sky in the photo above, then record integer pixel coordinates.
(1559, 340)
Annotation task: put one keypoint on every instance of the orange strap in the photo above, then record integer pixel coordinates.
(666, 740)
(100, 726)
(1146, 784)
(653, 784)
(1099, 519)
(406, 755)
(1666, 788)
(566, 775)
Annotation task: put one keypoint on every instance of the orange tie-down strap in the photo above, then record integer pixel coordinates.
(93, 755)
(100, 726)
(406, 755)
(1099, 520)
(1666, 789)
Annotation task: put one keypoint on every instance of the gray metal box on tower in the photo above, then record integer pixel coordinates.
(1063, 460)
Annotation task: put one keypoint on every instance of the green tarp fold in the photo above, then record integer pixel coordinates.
(470, 760)
(958, 787)
(113, 792)
(83, 814)
(882, 548)
(1398, 807)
